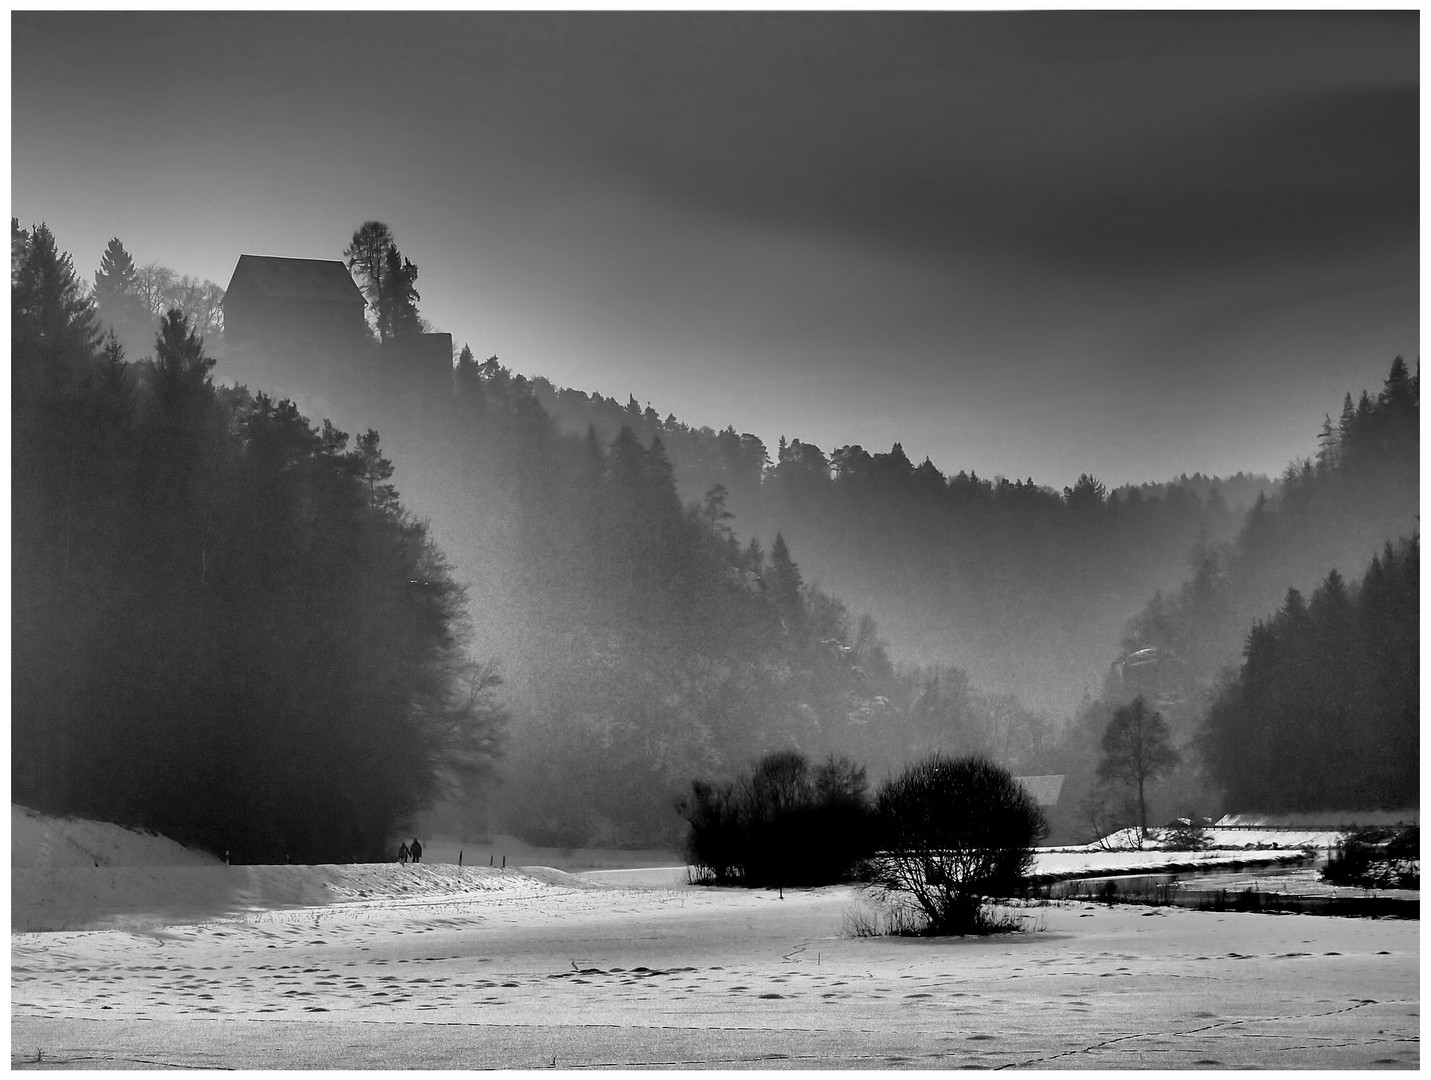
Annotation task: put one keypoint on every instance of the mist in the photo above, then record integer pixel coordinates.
(633, 395)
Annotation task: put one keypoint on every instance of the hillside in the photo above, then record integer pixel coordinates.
(1024, 587)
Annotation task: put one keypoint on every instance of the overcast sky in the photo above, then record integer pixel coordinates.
(1024, 243)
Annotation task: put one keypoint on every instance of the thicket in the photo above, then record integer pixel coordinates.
(1375, 857)
(940, 840)
(785, 822)
(226, 626)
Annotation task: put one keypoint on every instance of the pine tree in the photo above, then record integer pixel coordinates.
(398, 297)
(117, 275)
(784, 584)
(386, 279)
(53, 324)
(119, 299)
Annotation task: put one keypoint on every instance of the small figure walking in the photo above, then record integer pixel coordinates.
(416, 850)
(403, 854)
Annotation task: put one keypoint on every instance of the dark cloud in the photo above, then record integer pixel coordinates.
(1041, 223)
(1117, 142)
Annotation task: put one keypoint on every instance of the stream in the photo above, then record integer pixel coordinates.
(1282, 889)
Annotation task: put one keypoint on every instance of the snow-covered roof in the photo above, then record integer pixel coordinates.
(1319, 819)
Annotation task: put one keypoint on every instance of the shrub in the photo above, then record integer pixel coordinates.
(1186, 835)
(1377, 858)
(784, 823)
(955, 833)
(713, 844)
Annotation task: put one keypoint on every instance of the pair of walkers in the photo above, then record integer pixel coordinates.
(411, 851)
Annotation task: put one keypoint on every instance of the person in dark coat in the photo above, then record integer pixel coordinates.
(403, 854)
(416, 850)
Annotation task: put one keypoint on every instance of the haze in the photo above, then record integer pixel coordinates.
(1023, 243)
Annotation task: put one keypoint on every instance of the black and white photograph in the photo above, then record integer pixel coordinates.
(739, 539)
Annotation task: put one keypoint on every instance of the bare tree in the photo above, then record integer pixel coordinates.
(1136, 750)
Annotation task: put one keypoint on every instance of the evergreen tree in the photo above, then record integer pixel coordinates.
(386, 279)
(1323, 712)
(117, 278)
(783, 582)
(120, 302)
(54, 330)
(398, 296)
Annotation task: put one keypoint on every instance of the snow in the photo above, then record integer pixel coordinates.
(37, 841)
(74, 874)
(1271, 837)
(436, 966)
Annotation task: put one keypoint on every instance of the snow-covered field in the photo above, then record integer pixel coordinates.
(432, 966)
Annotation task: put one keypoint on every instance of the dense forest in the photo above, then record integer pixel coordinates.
(1355, 503)
(577, 607)
(1325, 708)
(643, 641)
(225, 625)
(1025, 587)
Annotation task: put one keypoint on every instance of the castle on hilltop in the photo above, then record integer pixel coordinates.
(298, 328)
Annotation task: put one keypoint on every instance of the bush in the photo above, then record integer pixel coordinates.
(1186, 835)
(955, 833)
(1377, 858)
(785, 823)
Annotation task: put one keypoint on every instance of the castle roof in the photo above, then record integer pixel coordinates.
(308, 279)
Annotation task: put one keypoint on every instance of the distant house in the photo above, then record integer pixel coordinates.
(298, 328)
(290, 319)
(1044, 789)
(277, 299)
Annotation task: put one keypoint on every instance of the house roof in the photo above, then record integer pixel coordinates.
(309, 279)
(1330, 820)
(1044, 789)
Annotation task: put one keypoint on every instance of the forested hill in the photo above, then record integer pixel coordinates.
(1308, 710)
(1334, 511)
(644, 642)
(226, 626)
(1025, 587)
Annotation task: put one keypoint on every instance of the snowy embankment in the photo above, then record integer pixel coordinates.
(1052, 866)
(73, 874)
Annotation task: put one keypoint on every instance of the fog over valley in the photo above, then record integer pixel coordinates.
(909, 462)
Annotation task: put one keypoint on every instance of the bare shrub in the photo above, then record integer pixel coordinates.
(955, 832)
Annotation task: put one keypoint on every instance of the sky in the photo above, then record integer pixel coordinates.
(1029, 244)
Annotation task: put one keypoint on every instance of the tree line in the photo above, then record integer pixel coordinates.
(1023, 585)
(1324, 710)
(226, 625)
(1201, 652)
(130, 300)
(644, 641)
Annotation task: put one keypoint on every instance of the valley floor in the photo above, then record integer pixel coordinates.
(509, 969)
